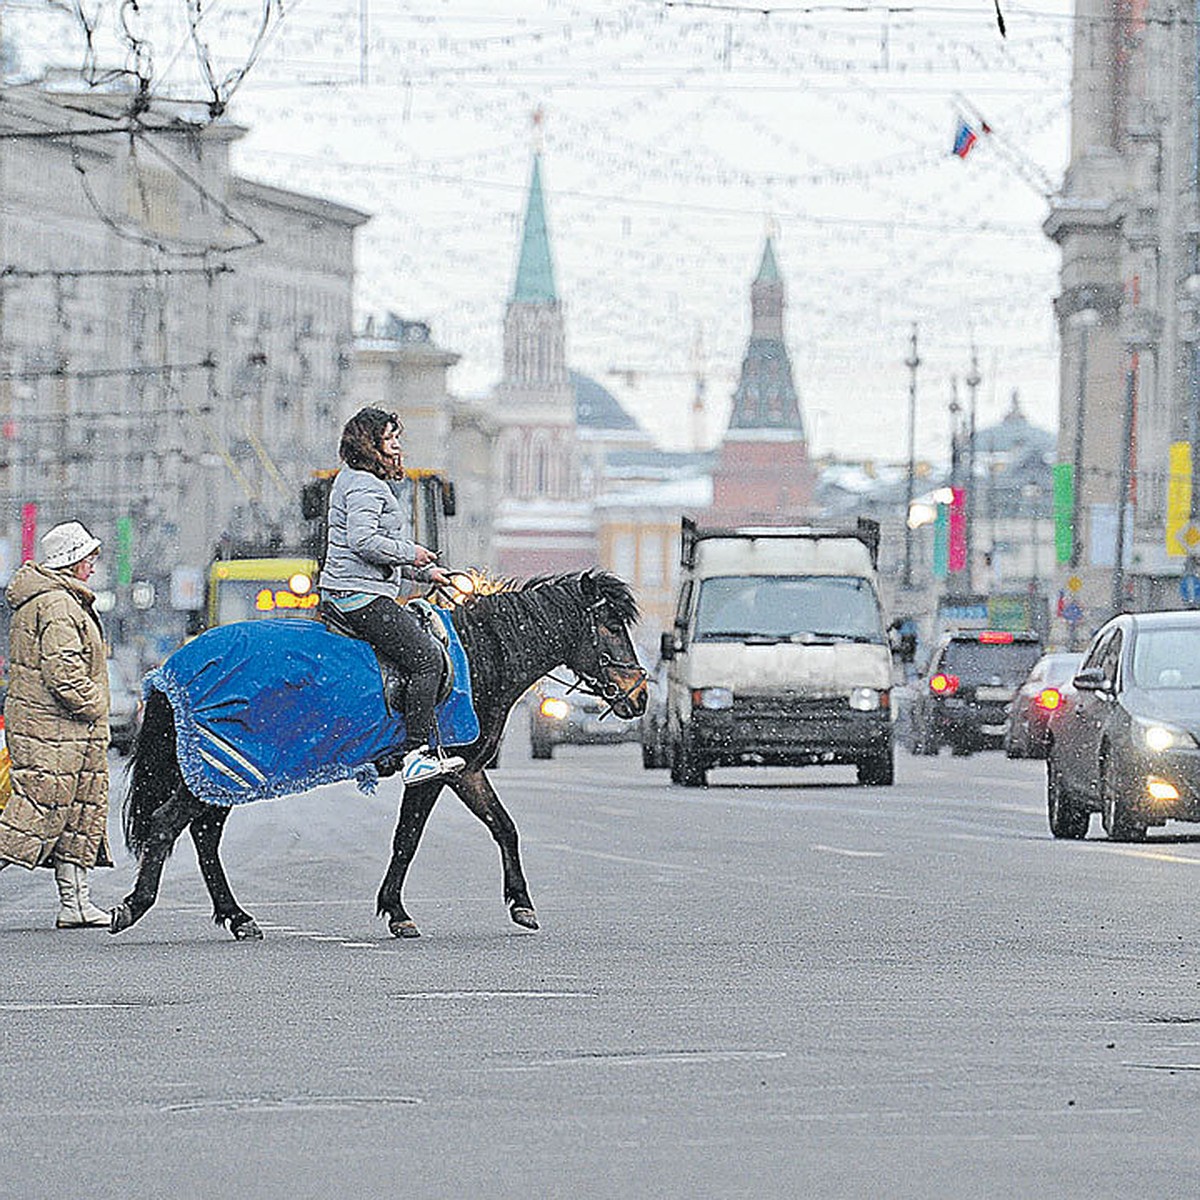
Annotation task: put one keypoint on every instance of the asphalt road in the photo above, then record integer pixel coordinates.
(784, 985)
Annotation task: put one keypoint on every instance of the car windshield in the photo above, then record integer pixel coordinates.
(799, 608)
(979, 662)
(1167, 658)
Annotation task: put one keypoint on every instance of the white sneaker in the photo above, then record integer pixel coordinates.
(420, 765)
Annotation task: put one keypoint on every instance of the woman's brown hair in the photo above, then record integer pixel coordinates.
(362, 438)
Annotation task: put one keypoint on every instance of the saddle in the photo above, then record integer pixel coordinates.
(389, 669)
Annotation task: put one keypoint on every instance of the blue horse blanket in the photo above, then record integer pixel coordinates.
(271, 707)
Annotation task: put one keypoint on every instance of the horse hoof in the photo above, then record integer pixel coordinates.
(247, 931)
(403, 929)
(525, 917)
(121, 918)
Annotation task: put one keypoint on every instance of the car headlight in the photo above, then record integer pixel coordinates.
(1156, 736)
(712, 698)
(864, 699)
(555, 709)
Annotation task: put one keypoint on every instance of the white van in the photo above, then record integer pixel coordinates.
(780, 653)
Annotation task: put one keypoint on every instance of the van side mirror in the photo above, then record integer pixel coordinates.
(667, 647)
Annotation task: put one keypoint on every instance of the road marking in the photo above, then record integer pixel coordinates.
(637, 862)
(486, 995)
(59, 1005)
(1153, 855)
(849, 853)
(662, 1058)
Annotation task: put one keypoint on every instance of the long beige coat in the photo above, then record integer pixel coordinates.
(56, 722)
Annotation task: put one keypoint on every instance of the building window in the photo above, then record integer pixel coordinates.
(625, 554)
(651, 573)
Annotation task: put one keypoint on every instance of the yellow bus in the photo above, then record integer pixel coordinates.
(243, 589)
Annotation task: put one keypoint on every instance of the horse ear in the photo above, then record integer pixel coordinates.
(588, 587)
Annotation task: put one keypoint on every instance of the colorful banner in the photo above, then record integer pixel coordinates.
(124, 551)
(1179, 497)
(29, 514)
(941, 542)
(957, 551)
(1064, 511)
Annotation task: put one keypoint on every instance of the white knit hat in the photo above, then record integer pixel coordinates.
(67, 544)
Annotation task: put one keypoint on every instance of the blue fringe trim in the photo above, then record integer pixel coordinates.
(201, 784)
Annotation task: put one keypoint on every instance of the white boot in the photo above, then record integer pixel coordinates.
(77, 911)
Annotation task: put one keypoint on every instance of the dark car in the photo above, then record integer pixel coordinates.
(1044, 694)
(560, 715)
(124, 710)
(962, 700)
(656, 749)
(1127, 746)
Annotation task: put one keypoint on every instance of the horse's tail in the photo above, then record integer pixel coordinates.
(154, 774)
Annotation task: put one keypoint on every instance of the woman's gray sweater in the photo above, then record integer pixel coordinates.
(368, 549)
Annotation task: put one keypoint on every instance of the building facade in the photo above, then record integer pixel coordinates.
(1127, 222)
(175, 344)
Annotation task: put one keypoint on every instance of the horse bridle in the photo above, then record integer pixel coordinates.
(603, 689)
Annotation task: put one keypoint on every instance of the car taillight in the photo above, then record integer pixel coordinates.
(943, 685)
(995, 637)
(1048, 699)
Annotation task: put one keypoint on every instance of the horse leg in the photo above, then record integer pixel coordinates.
(475, 790)
(414, 812)
(206, 831)
(170, 819)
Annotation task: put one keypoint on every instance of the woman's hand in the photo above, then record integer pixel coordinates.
(440, 577)
(423, 556)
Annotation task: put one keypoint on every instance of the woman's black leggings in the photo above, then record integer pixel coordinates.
(395, 632)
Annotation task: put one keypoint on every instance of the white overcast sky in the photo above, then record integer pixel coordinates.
(673, 134)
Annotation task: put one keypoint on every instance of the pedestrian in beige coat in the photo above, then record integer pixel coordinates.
(56, 722)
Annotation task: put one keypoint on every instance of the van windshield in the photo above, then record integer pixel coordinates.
(795, 608)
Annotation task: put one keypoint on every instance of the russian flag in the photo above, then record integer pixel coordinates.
(964, 139)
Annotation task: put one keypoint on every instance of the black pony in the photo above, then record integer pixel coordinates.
(512, 638)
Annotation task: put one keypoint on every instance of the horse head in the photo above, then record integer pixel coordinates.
(604, 657)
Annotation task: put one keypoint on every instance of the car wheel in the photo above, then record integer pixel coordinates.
(648, 762)
(1114, 811)
(541, 748)
(686, 768)
(878, 771)
(1068, 818)
(960, 750)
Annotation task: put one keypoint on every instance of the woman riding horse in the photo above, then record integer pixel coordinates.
(368, 556)
(512, 638)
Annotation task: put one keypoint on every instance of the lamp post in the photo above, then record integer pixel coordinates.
(912, 362)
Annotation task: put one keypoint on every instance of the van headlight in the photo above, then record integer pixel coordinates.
(863, 699)
(1156, 736)
(712, 698)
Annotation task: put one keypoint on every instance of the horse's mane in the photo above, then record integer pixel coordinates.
(552, 589)
(505, 623)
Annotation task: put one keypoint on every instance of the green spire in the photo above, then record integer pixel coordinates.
(535, 271)
(768, 271)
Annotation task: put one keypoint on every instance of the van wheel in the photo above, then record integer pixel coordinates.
(686, 768)
(878, 771)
